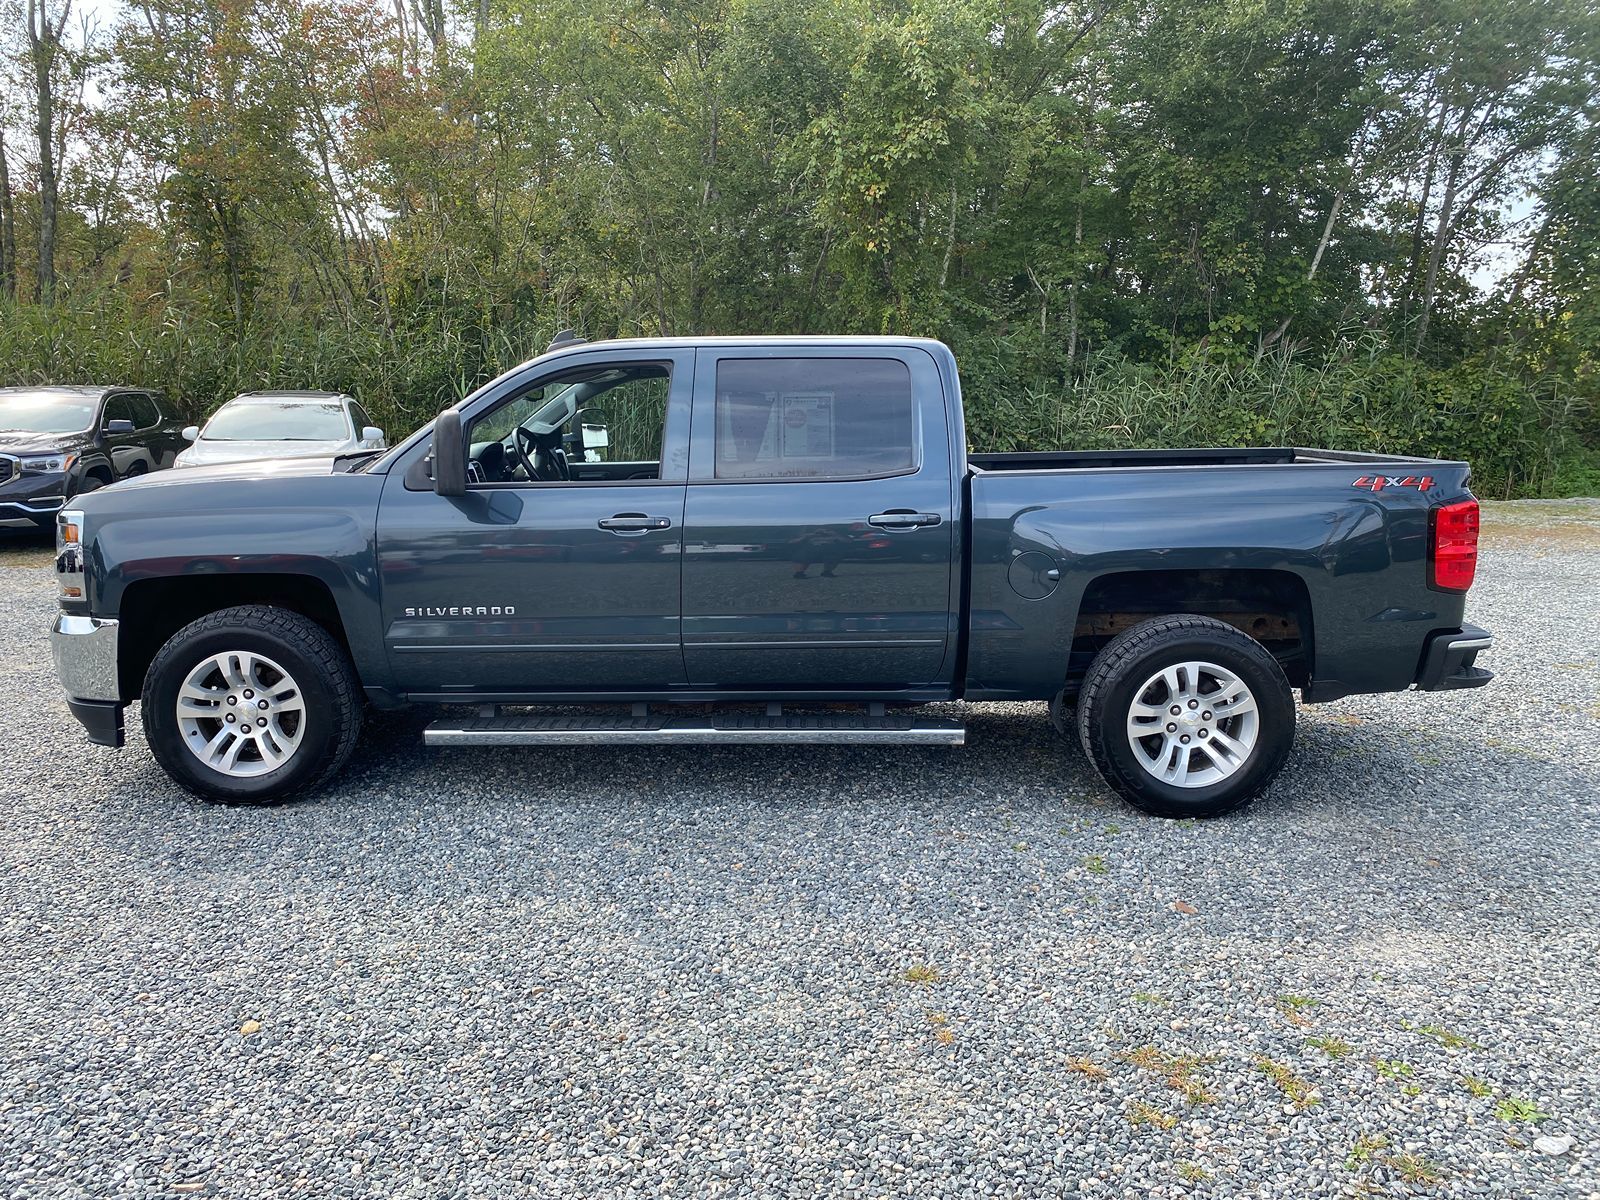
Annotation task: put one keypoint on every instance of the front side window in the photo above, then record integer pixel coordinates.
(595, 424)
(120, 408)
(814, 418)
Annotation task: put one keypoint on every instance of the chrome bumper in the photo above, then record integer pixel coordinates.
(85, 653)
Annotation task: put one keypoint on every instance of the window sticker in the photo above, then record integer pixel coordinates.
(807, 424)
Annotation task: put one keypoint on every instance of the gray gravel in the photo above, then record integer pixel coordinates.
(825, 971)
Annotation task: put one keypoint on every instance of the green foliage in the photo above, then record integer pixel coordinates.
(1516, 1109)
(1139, 224)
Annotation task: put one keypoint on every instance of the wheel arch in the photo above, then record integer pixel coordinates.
(1272, 606)
(152, 610)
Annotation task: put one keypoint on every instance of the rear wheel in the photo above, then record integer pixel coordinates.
(1185, 716)
(251, 705)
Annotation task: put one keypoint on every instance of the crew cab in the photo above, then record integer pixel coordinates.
(758, 540)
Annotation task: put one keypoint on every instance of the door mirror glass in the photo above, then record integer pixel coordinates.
(593, 439)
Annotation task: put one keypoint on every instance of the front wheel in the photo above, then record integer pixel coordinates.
(251, 705)
(1184, 716)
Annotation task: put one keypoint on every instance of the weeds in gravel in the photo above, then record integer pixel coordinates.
(1294, 1008)
(942, 1033)
(1371, 1149)
(1149, 998)
(1140, 1113)
(1193, 1172)
(1177, 1070)
(1393, 1068)
(1476, 1087)
(1095, 864)
(1516, 1109)
(921, 973)
(1298, 1091)
(1365, 1150)
(1413, 1168)
(1331, 1046)
(1447, 1038)
(1088, 1068)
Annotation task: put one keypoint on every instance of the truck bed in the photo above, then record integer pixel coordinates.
(1066, 460)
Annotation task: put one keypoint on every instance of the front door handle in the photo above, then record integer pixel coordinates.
(903, 519)
(634, 523)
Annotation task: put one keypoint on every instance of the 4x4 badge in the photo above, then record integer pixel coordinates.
(1376, 483)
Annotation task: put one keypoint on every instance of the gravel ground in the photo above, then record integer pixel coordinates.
(825, 971)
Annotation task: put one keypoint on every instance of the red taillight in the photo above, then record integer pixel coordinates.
(1453, 546)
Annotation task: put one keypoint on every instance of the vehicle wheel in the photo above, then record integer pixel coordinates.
(93, 481)
(1184, 716)
(251, 705)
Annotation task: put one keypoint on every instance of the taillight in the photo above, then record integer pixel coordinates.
(1453, 546)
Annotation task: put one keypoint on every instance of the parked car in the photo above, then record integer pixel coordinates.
(58, 442)
(261, 425)
(791, 528)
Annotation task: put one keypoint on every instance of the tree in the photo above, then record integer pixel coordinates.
(45, 54)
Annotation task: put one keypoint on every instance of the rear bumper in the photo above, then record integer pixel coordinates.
(1448, 660)
(85, 654)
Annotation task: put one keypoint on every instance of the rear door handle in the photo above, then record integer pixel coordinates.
(903, 519)
(634, 523)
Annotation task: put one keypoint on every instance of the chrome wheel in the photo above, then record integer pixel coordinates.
(1193, 724)
(241, 714)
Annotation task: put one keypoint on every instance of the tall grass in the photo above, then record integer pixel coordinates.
(1524, 437)
(1519, 435)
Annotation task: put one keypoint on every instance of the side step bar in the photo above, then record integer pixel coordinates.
(645, 728)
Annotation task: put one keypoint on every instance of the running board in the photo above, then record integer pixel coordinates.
(656, 729)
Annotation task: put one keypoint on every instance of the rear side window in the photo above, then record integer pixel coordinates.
(813, 418)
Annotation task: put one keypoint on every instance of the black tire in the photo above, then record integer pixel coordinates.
(320, 668)
(93, 481)
(1118, 675)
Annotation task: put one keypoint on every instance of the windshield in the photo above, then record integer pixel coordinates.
(45, 412)
(289, 421)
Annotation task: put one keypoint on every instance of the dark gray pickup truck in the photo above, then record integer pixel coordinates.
(757, 541)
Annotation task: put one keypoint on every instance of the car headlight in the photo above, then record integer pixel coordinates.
(69, 553)
(46, 464)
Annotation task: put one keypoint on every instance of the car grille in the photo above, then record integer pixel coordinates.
(8, 468)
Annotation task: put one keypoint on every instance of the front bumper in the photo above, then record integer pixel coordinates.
(85, 654)
(34, 512)
(1448, 660)
(31, 501)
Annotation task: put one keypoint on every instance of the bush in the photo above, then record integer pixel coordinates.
(1521, 437)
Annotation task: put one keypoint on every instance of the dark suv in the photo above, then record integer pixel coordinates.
(56, 442)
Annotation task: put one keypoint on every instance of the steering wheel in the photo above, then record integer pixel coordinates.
(529, 452)
(523, 447)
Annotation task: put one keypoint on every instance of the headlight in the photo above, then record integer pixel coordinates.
(69, 553)
(46, 464)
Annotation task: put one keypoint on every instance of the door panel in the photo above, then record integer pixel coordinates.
(520, 589)
(806, 581)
